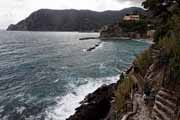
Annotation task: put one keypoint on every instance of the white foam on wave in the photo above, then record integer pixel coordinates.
(84, 50)
(145, 41)
(55, 81)
(67, 104)
(100, 45)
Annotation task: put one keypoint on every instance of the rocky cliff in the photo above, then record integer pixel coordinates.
(70, 20)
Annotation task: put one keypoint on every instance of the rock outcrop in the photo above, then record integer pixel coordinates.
(96, 105)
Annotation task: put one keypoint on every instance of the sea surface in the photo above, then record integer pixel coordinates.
(44, 75)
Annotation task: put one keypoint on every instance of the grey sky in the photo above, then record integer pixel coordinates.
(11, 11)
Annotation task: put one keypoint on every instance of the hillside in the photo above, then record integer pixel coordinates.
(131, 29)
(70, 20)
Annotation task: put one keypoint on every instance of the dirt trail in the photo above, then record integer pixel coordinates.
(143, 112)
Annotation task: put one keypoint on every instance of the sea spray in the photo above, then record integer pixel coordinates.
(67, 104)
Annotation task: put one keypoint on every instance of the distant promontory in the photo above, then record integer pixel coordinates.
(70, 20)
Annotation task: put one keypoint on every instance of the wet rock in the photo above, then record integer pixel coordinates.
(96, 105)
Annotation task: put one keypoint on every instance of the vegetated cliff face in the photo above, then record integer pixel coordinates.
(127, 28)
(150, 89)
(70, 20)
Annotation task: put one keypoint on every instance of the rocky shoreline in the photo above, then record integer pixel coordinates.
(100, 105)
(107, 38)
(96, 105)
(150, 89)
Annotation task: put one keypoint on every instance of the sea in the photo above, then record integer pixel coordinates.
(44, 75)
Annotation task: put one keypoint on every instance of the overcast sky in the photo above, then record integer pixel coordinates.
(12, 11)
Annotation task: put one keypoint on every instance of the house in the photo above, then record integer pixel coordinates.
(104, 28)
(150, 33)
(131, 18)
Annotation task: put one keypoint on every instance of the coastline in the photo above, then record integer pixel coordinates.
(151, 85)
(128, 68)
(98, 104)
(148, 40)
(103, 96)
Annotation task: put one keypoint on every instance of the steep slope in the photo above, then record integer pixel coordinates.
(150, 88)
(165, 104)
(70, 20)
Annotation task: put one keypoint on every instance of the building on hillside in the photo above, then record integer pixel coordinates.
(150, 33)
(104, 28)
(131, 18)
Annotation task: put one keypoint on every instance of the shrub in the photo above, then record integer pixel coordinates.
(122, 94)
(171, 48)
(143, 61)
(134, 26)
(168, 45)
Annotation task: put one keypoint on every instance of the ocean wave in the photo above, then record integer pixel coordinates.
(67, 104)
(145, 41)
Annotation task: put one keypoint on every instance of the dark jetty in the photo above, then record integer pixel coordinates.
(89, 38)
(94, 47)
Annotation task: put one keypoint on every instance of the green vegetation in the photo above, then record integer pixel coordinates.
(171, 49)
(163, 12)
(166, 18)
(143, 61)
(122, 94)
(134, 26)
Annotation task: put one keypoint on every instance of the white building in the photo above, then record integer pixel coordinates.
(131, 18)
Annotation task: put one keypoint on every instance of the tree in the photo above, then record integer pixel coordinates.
(161, 12)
